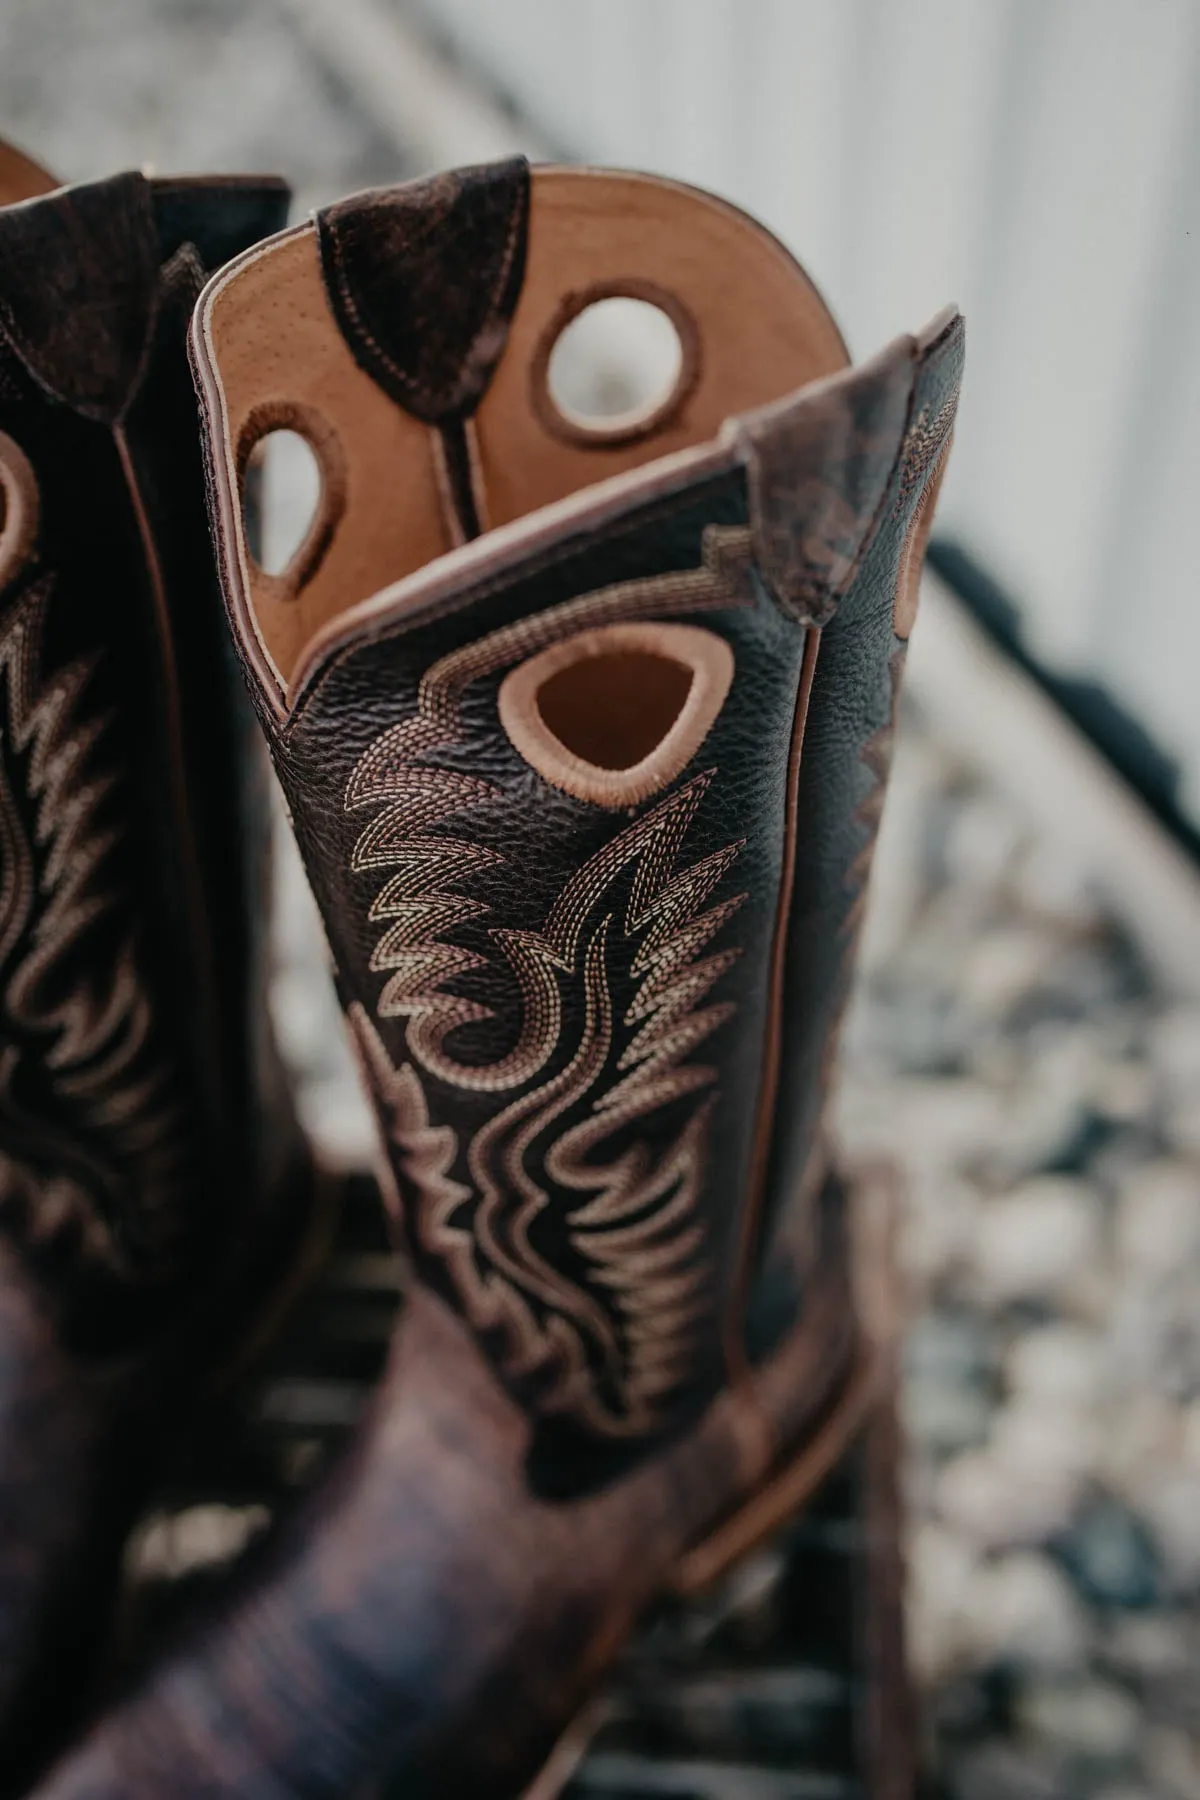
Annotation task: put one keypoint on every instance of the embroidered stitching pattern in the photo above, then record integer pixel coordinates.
(393, 770)
(922, 442)
(93, 1036)
(635, 1226)
(613, 1348)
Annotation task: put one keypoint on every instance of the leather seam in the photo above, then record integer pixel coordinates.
(733, 1334)
(177, 787)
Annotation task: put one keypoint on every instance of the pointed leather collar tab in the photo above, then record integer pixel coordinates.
(424, 278)
(821, 462)
(78, 290)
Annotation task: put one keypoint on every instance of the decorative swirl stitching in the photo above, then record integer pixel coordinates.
(638, 1230)
(611, 1351)
(922, 442)
(393, 770)
(99, 1029)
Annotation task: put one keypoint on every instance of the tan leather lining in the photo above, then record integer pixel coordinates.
(20, 177)
(18, 508)
(613, 714)
(614, 704)
(753, 329)
(276, 345)
(530, 543)
(761, 328)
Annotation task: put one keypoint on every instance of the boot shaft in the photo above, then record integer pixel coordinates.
(129, 956)
(584, 733)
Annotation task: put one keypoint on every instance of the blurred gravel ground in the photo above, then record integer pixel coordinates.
(1043, 1100)
(1007, 1048)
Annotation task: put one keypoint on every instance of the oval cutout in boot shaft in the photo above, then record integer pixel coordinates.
(613, 709)
(614, 365)
(291, 488)
(614, 714)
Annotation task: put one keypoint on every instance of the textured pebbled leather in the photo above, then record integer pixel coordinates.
(597, 1041)
(839, 801)
(722, 818)
(363, 809)
(818, 469)
(144, 1147)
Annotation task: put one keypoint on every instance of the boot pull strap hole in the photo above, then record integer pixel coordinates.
(615, 364)
(612, 715)
(293, 484)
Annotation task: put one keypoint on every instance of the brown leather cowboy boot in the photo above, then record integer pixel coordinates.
(585, 731)
(152, 1182)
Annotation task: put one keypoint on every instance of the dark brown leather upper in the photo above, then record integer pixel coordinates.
(139, 1182)
(596, 1039)
(81, 277)
(839, 799)
(424, 1624)
(128, 956)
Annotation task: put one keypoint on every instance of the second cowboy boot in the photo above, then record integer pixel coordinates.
(584, 729)
(153, 1187)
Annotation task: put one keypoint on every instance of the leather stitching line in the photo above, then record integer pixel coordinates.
(401, 376)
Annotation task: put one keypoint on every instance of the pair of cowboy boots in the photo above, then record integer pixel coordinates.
(584, 729)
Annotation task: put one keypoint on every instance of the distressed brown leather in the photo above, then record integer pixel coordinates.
(82, 276)
(152, 1181)
(424, 1617)
(423, 280)
(817, 476)
(596, 1024)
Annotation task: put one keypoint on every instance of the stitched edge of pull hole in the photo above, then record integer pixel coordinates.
(707, 656)
(306, 422)
(625, 428)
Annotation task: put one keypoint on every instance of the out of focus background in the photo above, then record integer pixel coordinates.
(1026, 1041)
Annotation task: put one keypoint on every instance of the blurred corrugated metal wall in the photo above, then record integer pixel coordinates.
(1036, 160)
